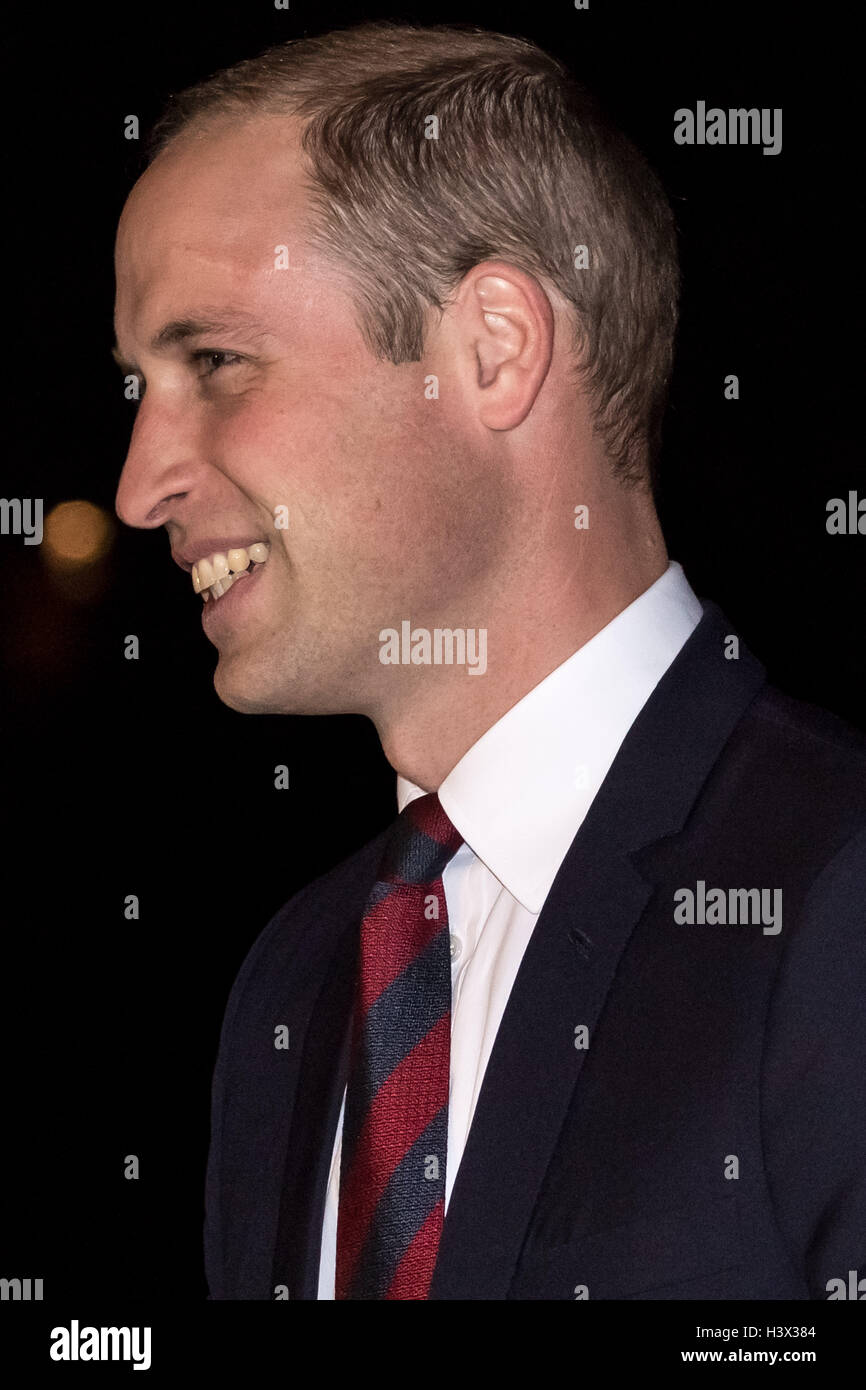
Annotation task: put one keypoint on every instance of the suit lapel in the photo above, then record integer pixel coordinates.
(269, 1161)
(324, 1071)
(561, 986)
(568, 967)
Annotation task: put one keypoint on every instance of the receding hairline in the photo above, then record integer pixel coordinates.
(231, 118)
(351, 90)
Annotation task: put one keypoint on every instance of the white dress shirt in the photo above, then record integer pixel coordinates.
(518, 798)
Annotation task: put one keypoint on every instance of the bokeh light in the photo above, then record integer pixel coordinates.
(76, 535)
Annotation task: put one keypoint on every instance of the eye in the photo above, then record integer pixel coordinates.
(210, 361)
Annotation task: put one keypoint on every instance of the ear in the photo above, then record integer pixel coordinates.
(506, 323)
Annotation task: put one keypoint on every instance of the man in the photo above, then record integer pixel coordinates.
(587, 1021)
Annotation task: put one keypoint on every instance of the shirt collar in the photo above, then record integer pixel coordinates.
(519, 795)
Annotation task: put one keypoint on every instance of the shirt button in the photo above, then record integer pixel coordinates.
(456, 948)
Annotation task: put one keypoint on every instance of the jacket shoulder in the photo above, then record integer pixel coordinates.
(302, 932)
(793, 751)
(809, 725)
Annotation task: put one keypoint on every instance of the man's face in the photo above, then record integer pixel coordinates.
(279, 412)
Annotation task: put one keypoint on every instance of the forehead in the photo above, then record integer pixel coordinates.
(208, 215)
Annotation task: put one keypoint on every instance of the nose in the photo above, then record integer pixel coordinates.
(162, 463)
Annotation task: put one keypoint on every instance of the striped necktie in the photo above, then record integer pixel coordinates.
(395, 1128)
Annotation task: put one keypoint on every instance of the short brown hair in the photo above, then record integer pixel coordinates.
(527, 169)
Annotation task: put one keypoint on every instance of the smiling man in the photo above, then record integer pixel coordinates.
(402, 303)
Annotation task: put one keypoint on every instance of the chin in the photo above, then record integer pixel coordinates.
(251, 692)
(245, 694)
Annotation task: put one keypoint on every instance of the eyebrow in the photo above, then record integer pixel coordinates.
(179, 330)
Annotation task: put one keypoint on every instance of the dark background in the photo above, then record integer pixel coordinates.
(119, 773)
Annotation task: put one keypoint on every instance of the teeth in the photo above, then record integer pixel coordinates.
(216, 574)
(206, 575)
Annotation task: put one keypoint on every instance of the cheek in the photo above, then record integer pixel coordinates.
(360, 474)
(264, 449)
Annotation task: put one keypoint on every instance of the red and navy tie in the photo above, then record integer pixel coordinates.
(395, 1127)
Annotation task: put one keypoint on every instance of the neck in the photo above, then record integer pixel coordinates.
(539, 612)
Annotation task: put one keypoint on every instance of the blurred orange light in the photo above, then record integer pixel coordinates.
(76, 534)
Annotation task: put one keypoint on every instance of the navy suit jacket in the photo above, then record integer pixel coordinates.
(710, 1140)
